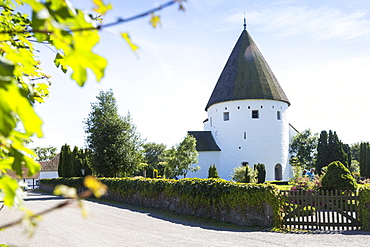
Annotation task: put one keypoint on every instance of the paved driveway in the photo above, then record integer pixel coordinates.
(122, 225)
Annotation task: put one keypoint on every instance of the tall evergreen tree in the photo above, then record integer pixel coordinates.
(212, 172)
(365, 159)
(64, 162)
(336, 152)
(261, 173)
(322, 152)
(348, 154)
(330, 149)
(113, 140)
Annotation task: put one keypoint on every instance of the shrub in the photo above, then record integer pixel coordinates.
(338, 177)
(244, 174)
(212, 172)
(261, 173)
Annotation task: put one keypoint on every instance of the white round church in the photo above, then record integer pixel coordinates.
(247, 118)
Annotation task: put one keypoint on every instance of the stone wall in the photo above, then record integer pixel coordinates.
(247, 216)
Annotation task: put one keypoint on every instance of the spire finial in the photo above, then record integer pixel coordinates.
(245, 22)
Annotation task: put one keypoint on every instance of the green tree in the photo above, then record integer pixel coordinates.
(212, 172)
(261, 173)
(330, 149)
(154, 156)
(322, 152)
(336, 149)
(355, 151)
(45, 153)
(65, 159)
(303, 149)
(113, 140)
(364, 159)
(181, 157)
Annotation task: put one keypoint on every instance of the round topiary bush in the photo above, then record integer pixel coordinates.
(338, 177)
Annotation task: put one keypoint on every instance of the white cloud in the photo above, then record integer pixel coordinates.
(319, 23)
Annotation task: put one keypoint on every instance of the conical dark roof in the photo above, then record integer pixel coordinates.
(246, 75)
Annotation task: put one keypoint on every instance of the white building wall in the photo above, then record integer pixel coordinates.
(49, 174)
(205, 160)
(245, 139)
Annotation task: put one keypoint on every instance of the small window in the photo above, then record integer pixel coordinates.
(238, 107)
(226, 116)
(210, 122)
(245, 163)
(249, 107)
(255, 114)
(245, 135)
(225, 108)
(261, 106)
(278, 115)
(240, 147)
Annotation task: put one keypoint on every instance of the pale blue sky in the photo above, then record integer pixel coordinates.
(318, 50)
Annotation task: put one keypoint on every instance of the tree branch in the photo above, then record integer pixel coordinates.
(117, 22)
(83, 195)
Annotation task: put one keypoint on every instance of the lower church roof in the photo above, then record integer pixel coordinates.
(205, 141)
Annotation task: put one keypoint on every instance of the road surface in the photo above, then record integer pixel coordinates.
(123, 225)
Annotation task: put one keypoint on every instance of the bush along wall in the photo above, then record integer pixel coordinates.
(364, 207)
(239, 203)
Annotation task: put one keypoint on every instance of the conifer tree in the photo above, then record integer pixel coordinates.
(322, 152)
(330, 149)
(64, 162)
(247, 178)
(212, 172)
(365, 159)
(261, 173)
(113, 140)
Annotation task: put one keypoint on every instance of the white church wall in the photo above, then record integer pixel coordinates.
(254, 140)
(205, 159)
(49, 174)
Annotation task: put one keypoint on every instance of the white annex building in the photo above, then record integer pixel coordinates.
(247, 118)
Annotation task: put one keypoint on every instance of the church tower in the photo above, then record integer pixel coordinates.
(247, 117)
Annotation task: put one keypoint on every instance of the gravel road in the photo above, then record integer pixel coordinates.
(123, 225)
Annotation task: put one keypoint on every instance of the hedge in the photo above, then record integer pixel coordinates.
(206, 197)
(364, 207)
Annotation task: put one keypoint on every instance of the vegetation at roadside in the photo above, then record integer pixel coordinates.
(73, 34)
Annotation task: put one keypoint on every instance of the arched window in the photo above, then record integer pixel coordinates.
(278, 172)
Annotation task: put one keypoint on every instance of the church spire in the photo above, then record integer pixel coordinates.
(246, 75)
(245, 22)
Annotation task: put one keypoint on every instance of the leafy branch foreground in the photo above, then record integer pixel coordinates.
(71, 32)
(95, 188)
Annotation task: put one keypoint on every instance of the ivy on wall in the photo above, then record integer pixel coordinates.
(209, 193)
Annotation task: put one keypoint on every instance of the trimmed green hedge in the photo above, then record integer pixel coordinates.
(364, 207)
(209, 193)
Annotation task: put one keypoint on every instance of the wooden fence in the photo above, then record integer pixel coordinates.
(324, 210)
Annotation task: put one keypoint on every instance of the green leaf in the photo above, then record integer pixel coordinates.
(6, 70)
(9, 186)
(59, 61)
(80, 60)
